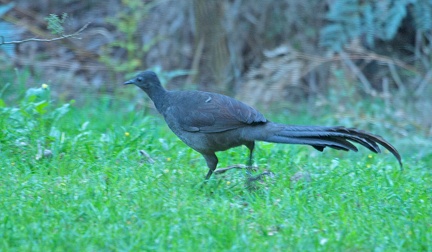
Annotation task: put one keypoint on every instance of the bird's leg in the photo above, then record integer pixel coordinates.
(251, 147)
(258, 177)
(248, 167)
(212, 162)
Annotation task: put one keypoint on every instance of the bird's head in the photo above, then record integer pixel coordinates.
(145, 80)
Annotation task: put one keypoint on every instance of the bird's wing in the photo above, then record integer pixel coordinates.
(210, 112)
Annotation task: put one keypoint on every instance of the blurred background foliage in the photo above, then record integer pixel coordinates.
(346, 56)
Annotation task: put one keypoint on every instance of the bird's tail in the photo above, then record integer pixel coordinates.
(320, 137)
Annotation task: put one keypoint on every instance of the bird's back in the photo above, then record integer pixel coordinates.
(208, 112)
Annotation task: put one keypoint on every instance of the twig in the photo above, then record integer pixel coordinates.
(195, 62)
(236, 166)
(145, 154)
(2, 42)
(395, 76)
(423, 83)
(366, 84)
(260, 176)
(317, 60)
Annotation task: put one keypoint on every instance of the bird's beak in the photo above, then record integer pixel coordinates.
(129, 82)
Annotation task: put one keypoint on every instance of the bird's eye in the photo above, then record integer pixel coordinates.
(140, 79)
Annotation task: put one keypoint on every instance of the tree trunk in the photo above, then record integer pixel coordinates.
(211, 44)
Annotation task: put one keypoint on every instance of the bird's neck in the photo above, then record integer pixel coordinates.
(157, 95)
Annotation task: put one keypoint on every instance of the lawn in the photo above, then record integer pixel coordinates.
(72, 178)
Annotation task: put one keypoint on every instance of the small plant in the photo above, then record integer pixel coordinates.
(33, 122)
(127, 23)
(55, 23)
(348, 19)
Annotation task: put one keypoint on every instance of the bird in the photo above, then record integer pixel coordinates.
(210, 122)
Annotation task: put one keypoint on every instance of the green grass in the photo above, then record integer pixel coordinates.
(95, 192)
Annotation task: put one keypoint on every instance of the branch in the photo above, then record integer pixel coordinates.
(145, 154)
(366, 84)
(2, 42)
(236, 166)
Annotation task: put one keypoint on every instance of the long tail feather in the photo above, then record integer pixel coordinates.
(333, 137)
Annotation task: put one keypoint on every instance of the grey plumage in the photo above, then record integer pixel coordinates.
(209, 122)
